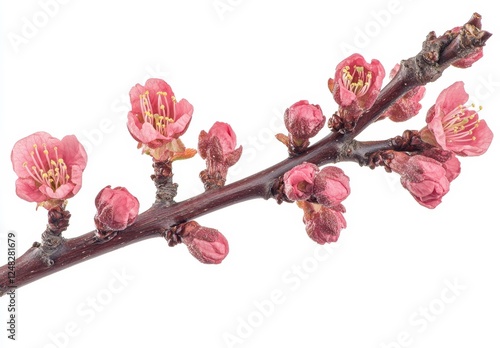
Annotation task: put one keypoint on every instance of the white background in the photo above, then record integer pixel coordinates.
(244, 65)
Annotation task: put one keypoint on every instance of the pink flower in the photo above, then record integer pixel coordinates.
(304, 120)
(49, 169)
(116, 209)
(218, 149)
(299, 181)
(323, 225)
(455, 127)
(331, 186)
(427, 179)
(206, 244)
(156, 117)
(356, 85)
(407, 106)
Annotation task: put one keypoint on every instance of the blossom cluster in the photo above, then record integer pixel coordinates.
(453, 127)
(319, 192)
(50, 170)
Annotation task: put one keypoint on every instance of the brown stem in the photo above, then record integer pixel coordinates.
(426, 67)
(166, 189)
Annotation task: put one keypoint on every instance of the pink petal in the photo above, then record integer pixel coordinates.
(26, 189)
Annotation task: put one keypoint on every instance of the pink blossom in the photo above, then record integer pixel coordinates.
(218, 149)
(49, 169)
(448, 160)
(331, 186)
(304, 120)
(116, 209)
(219, 144)
(407, 106)
(323, 225)
(356, 84)
(425, 178)
(299, 181)
(206, 244)
(157, 117)
(454, 126)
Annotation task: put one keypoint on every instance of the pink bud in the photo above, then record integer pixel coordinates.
(425, 178)
(206, 244)
(218, 149)
(448, 160)
(304, 120)
(299, 181)
(473, 57)
(225, 136)
(331, 186)
(323, 225)
(116, 209)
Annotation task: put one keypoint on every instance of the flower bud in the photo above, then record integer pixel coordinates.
(323, 225)
(218, 149)
(303, 121)
(425, 178)
(116, 209)
(473, 57)
(206, 244)
(299, 181)
(407, 106)
(448, 160)
(331, 186)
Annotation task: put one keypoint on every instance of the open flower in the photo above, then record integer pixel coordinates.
(116, 209)
(299, 181)
(455, 127)
(206, 244)
(356, 85)
(427, 179)
(157, 117)
(49, 170)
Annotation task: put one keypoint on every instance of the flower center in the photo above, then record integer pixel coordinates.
(160, 116)
(45, 170)
(459, 124)
(357, 81)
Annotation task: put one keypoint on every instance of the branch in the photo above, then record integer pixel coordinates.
(437, 54)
